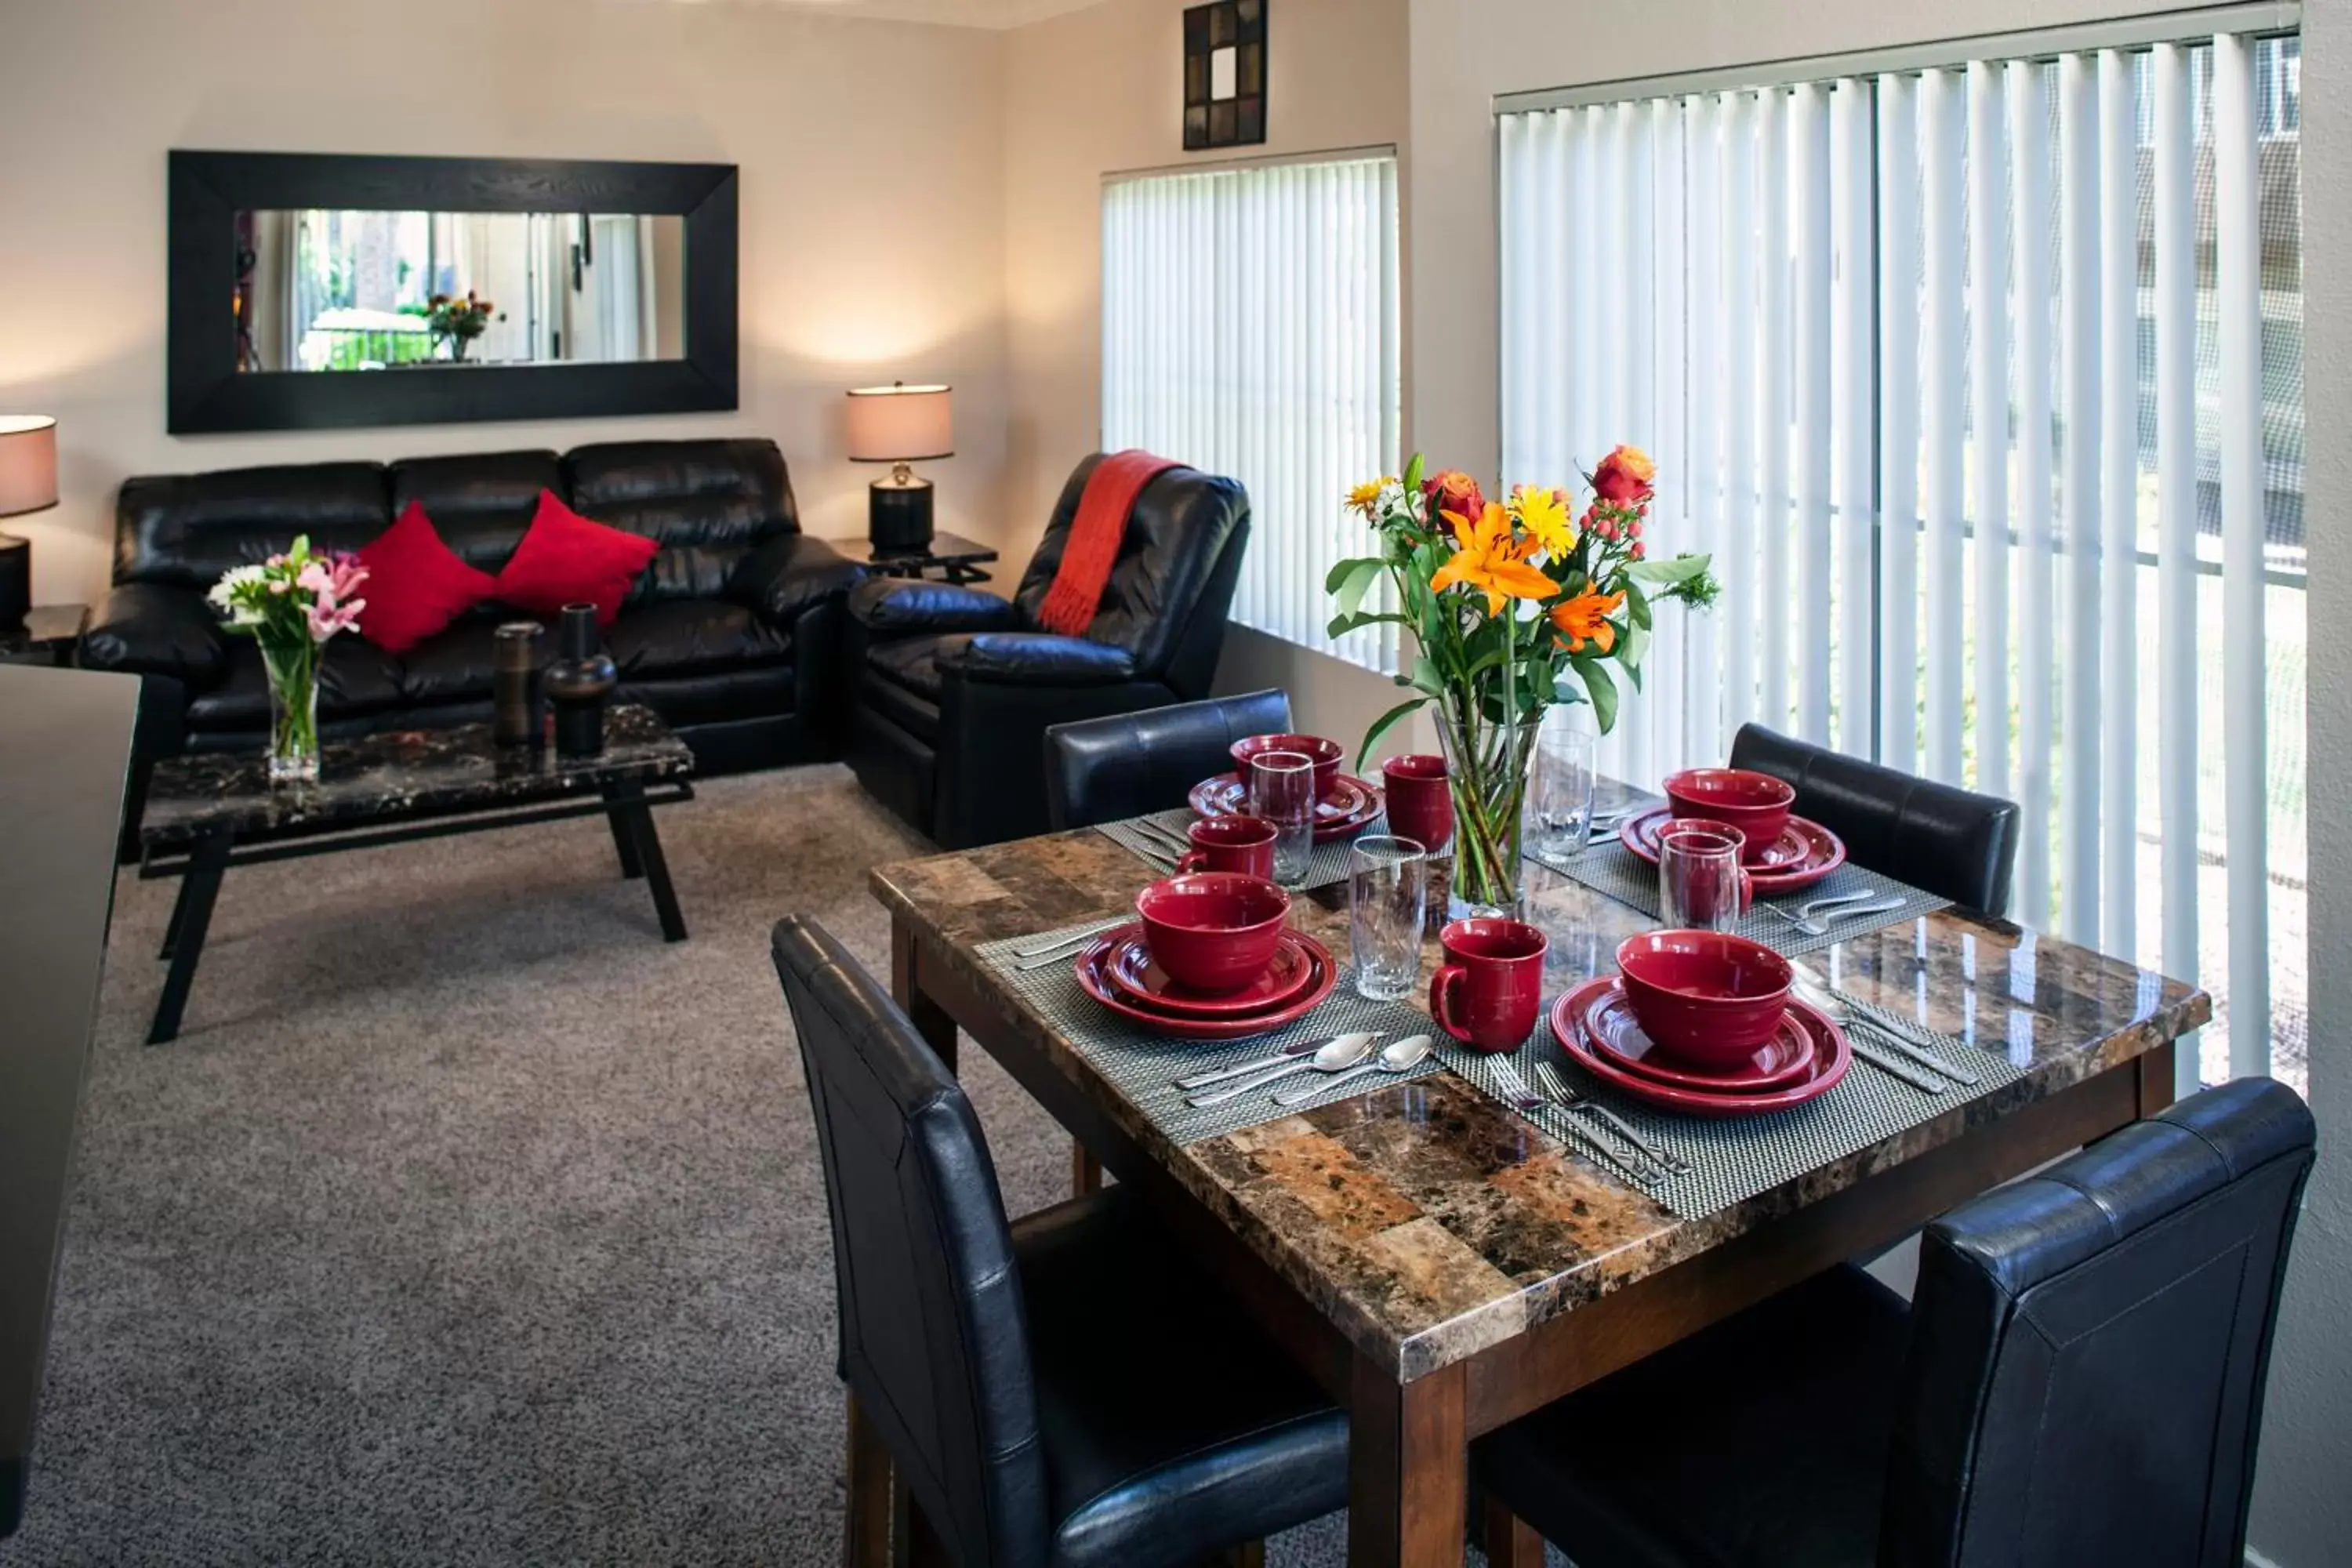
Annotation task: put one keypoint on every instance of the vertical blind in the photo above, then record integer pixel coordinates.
(1983, 383)
(1250, 329)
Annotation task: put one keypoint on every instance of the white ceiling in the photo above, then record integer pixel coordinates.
(950, 13)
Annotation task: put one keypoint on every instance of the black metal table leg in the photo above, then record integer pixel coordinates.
(625, 838)
(631, 803)
(190, 918)
(179, 919)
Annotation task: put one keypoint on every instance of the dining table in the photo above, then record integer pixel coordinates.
(1442, 1264)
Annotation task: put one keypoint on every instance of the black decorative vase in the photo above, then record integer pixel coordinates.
(517, 713)
(578, 683)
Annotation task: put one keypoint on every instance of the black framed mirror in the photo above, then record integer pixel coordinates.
(312, 290)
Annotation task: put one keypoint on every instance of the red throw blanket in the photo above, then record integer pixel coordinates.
(1094, 535)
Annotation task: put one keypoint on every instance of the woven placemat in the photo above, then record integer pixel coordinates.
(1327, 865)
(1609, 868)
(1732, 1160)
(1143, 1066)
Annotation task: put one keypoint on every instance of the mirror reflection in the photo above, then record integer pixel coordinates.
(325, 290)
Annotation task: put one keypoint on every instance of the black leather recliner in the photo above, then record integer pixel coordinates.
(1942, 840)
(955, 686)
(1063, 1390)
(1100, 770)
(732, 635)
(2078, 1380)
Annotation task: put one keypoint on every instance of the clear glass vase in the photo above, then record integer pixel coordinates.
(293, 712)
(1488, 763)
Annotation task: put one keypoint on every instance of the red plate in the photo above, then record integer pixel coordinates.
(1779, 874)
(1130, 969)
(1609, 1029)
(1346, 808)
(1091, 980)
(1832, 1057)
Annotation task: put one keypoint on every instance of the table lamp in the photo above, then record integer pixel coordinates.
(28, 482)
(899, 425)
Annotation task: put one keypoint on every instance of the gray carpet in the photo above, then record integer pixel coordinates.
(468, 1222)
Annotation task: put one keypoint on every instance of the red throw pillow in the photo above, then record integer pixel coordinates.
(415, 585)
(564, 559)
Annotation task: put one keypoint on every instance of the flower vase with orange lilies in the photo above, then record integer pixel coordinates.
(1516, 607)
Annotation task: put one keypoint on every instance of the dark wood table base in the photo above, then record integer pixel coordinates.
(626, 805)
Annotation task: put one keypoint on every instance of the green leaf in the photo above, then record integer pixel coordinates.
(1426, 677)
(1342, 624)
(1383, 724)
(1680, 569)
(1412, 473)
(1565, 690)
(1637, 606)
(1600, 687)
(1632, 649)
(1351, 579)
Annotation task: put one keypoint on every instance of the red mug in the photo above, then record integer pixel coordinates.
(1420, 800)
(1490, 988)
(1238, 844)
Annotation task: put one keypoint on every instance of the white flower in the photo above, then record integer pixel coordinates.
(1391, 499)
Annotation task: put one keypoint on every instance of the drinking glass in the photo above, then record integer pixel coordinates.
(1559, 806)
(1388, 879)
(1282, 791)
(1700, 884)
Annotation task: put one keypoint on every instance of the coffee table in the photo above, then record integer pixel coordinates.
(208, 812)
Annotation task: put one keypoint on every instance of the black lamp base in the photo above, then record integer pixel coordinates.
(16, 577)
(898, 516)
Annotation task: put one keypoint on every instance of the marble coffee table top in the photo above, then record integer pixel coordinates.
(400, 772)
(1429, 1223)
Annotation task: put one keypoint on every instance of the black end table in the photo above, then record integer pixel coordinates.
(49, 636)
(955, 558)
(208, 812)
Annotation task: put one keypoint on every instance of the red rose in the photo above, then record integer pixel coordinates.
(1624, 476)
(1451, 490)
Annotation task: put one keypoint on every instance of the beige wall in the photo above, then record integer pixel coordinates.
(872, 209)
(1099, 91)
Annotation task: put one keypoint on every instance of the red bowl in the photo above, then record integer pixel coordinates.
(1755, 804)
(1325, 755)
(1214, 931)
(1707, 996)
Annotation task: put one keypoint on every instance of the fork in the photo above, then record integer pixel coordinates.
(1560, 1092)
(1071, 939)
(1820, 925)
(1526, 1099)
(1167, 836)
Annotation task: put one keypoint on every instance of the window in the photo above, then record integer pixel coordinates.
(1250, 329)
(1983, 380)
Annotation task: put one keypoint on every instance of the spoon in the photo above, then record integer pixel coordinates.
(1334, 1057)
(1400, 1056)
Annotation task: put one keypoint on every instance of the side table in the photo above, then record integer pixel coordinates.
(956, 559)
(49, 636)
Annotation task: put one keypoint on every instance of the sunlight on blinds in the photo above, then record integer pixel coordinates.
(1250, 329)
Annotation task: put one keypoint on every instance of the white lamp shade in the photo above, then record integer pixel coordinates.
(28, 463)
(899, 423)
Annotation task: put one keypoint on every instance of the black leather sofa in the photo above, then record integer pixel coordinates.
(733, 634)
(955, 686)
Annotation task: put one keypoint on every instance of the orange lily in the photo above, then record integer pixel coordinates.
(1487, 558)
(1585, 618)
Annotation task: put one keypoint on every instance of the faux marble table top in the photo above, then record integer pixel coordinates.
(400, 772)
(1429, 1223)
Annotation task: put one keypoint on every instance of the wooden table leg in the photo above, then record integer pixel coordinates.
(1510, 1541)
(192, 918)
(866, 1541)
(1086, 1170)
(1408, 1469)
(2156, 1070)
(931, 1020)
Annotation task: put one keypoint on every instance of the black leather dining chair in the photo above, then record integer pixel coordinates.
(1057, 1391)
(2078, 1380)
(1942, 840)
(1099, 769)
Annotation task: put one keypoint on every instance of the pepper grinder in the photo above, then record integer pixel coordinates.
(579, 682)
(516, 713)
